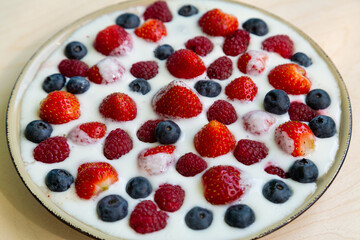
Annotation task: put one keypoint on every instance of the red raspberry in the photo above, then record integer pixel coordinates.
(222, 111)
(280, 44)
(158, 10)
(113, 41)
(144, 69)
(169, 197)
(190, 164)
(52, 150)
(242, 88)
(220, 69)
(301, 112)
(72, 67)
(119, 107)
(236, 43)
(117, 143)
(146, 132)
(200, 45)
(275, 170)
(249, 152)
(152, 30)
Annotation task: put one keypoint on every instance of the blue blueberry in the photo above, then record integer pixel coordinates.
(276, 191)
(140, 85)
(138, 187)
(167, 132)
(59, 180)
(302, 59)
(53, 82)
(188, 10)
(112, 208)
(239, 216)
(198, 218)
(256, 26)
(208, 88)
(318, 99)
(303, 171)
(37, 131)
(323, 126)
(162, 52)
(128, 20)
(77, 85)
(276, 101)
(75, 50)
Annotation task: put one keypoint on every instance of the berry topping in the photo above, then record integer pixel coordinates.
(280, 44)
(318, 99)
(217, 23)
(156, 160)
(140, 85)
(75, 50)
(72, 67)
(190, 165)
(255, 26)
(220, 69)
(117, 144)
(169, 197)
(323, 126)
(249, 152)
(59, 180)
(152, 30)
(304, 171)
(242, 88)
(252, 62)
(144, 69)
(52, 150)
(275, 170)
(236, 43)
(53, 82)
(167, 132)
(258, 122)
(163, 52)
(87, 133)
(138, 187)
(301, 59)
(77, 85)
(299, 111)
(276, 101)
(119, 107)
(37, 131)
(188, 10)
(198, 218)
(128, 20)
(208, 88)
(146, 132)
(113, 41)
(106, 71)
(158, 10)
(276, 191)
(200, 45)
(222, 111)
(112, 208)
(239, 216)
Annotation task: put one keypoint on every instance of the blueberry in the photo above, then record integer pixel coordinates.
(53, 82)
(37, 131)
(59, 180)
(75, 50)
(304, 171)
(198, 218)
(276, 101)
(162, 52)
(188, 10)
(302, 59)
(167, 132)
(239, 216)
(140, 85)
(318, 99)
(77, 85)
(323, 126)
(138, 187)
(208, 88)
(276, 191)
(112, 208)
(128, 20)
(256, 26)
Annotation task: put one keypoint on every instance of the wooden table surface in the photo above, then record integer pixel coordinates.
(333, 24)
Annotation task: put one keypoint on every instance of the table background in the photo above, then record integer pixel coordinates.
(333, 24)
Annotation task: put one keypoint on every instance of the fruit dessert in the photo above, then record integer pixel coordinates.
(181, 120)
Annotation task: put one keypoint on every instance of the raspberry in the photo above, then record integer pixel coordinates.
(220, 69)
(275, 170)
(72, 67)
(117, 143)
(236, 43)
(146, 132)
(242, 88)
(200, 45)
(169, 197)
(190, 165)
(249, 152)
(222, 111)
(52, 150)
(301, 112)
(158, 10)
(280, 44)
(144, 69)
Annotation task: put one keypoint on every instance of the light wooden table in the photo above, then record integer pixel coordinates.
(333, 24)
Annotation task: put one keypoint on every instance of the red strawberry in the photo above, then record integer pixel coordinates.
(280, 44)
(200, 45)
(252, 62)
(290, 78)
(184, 63)
(295, 138)
(223, 112)
(52, 150)
(145, 218)
(94, 178)
(113, 41)
(236, 42)
(146, 132)
(222, 185)
(214, 140)
(249, 152)
(220, 69)
(59, 107)
(156, 160)
(144, 69)
(169, 197)
(158, 10)
(190, 165)
(152, 30)
(177, 100)
(275, 170)
(299, 111)
(217, 23)
(258, 122)
(106, 71)
(119, 107)
(242, 88)
(72, 67)
(87, 133)
(117, 144)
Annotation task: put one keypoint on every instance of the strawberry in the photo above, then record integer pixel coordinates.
(177, 100)
(117, 144)
(146, 132)
(144, 69)
(87, 133)
(169, 197)
(200, 45)
(119, 107)
(184, 63)
(72, 67)
(258, 122)
(156, 160)
(242, 88)
(217, 23)
(281, 44)
(222, 185)
(252, 62)
(275, 170)
(299, 111)
(249, 152)
(236, 42)
(94, 178)
(214, 140)
(223, 112)
(113, 41)
(59, 107)
(190, 165)
(290, 78)
(295, 138)
(152, 30)
(52, 150)
(108, 70)
(220, 69)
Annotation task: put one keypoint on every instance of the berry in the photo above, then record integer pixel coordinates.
(94, 178)
(256, 26)
(198, 218)
(117, 144)
(249, 152)
(318, 99)
(277, 102)
(77, 85)
(169, 197)
(156, 160)
(72, 67)
(144, 69)
(275, 170)
(208, 88)
(184, 63)
(163, 52)
(59, 180)
(291, 78)
(158, 10)
(146, 132)
(242, 88)
(239, 216)
(200, 45)
(302, 59)
(145, 218)
(323, 126)
(75, 50)
(152, 30)
(280, 44)
(303, 171)
(167, 132)
(119, 107)
(53, 82)
(299, 111)
(138, 187)
(37, 131)
(217, 23)
(236, 43)
(128, 20)
(140, 85)
(258, 122)
(252, 62)
(276, 191)
(113, 41)
(87, 133)
(59, 107)
(112, 208)
(52, 150)
(108, 70)
(222, 111)
(190, 165)
(188, 10)
(220, 69)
